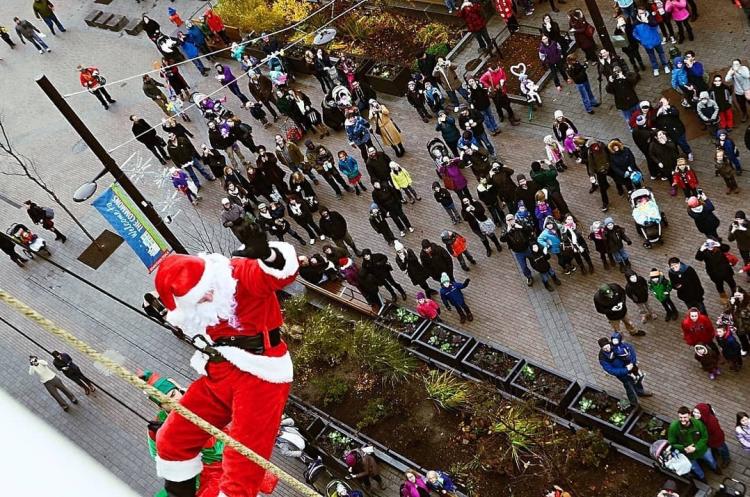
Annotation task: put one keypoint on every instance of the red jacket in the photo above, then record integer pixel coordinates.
(473, 17)
(687, 179)
(491, 80)
(428, 309)
(213, 21)
(504, 8)
(88, 80)
(700, 331)
(715, 433)
(650, 116)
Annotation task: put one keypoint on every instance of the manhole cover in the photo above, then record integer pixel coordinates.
(473, 64)
(79, 146)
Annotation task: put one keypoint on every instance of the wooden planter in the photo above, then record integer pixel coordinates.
(545, 380)
(394, 84)
(386, 319)
(452, 357)
(479, 359)
(590, 420)
(642, 444)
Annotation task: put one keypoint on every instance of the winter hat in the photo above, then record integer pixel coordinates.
(398, 246)
(444, 278)
(463, 107)
(366, 252)
(558, 114)
(344, 262)
(171, 11)
(721, 132)
(608, 220)
(520, 177)
(467, 135)
(309, 143)
(393, 165)
(225, 201)
(700, 350)
(740, 215)
(693, 202)
(177, 276)
(603, 341)
(703, 95)
(670, 485)
(420, 296)
(655, 273)
(640, 120)
(350, 459)
(681, 161)
(645, 104)
(570, 132)
(425, 243)
(509, 217)
(536, 166)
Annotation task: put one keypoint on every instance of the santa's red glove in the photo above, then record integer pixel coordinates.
(255, 244)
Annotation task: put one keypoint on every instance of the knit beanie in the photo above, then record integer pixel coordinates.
(603, 341)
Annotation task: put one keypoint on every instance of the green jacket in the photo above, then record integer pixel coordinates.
(42, 8)
(696, 434)
(546, 178)
(660, 290)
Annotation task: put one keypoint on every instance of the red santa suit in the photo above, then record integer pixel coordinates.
(245, 388)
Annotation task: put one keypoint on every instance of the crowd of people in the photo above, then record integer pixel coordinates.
(275, 187)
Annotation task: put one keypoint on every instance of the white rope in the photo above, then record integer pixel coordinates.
(293, 26)
(265, 59)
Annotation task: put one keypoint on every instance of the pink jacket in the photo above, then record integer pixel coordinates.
(428, 309)
(678, 8)
(491, 79)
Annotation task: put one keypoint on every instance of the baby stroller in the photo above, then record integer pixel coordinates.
(731, 488)
(438, 150)
(343, 98)
(31, 243)
(322, 481)
(647, 216)
(209, 107)
(670, 459)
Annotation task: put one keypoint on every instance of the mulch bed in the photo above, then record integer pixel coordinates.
(517, 48)
(543, 383)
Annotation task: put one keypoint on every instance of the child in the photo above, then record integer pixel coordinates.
(174, 17)
(256, 110)
(181, 182)
(428, 308)
(554, 153)
(730, 347)
(539, 261)
(455, 244)
(731, 152)
(401, 179)
(444, 198)
(175, 106)
(685, 179)
(724, 169)
(523, 217)
(349, 168)
(615, 236)
(637, 289)
(660, 287)
(571, 145)
(598, 236)
(433, 97)
(543, 209)
(623, 351)
(662, 18)
(451, 293)
(708, 359)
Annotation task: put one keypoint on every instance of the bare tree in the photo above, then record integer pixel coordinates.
(27, 168)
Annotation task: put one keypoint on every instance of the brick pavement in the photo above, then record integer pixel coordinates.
(530, 321)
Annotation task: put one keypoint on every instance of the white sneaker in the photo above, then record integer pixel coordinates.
(312, 241)
(49, 50)
(656, 72)
(744, 353)
(41, 51)
(403, 234)
(690, 156)
(667, 70)
(411, 230)
(322, 237)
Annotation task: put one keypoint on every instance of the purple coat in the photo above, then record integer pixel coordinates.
(550, 54)
(412, 489)
(453, 171)
(227, 74)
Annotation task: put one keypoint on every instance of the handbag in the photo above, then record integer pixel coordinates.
(449, 183)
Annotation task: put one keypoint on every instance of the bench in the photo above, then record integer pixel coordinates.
(116, 22)
(102, 20)
(342, 293)
(92, 17)
(103, 2)
(134, 27)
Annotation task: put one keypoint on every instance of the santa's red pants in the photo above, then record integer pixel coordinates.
(227, 395)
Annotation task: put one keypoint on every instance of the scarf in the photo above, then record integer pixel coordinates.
(295, 209)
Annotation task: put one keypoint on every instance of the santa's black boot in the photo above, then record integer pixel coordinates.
(185, 488)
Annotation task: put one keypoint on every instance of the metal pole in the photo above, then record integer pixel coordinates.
(109, 163)
(601, 28)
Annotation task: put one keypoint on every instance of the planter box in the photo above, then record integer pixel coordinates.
(590, 419)
(646, 429)
(394, 84)
(434, 334)
(408, 331)
(491, 363)
(552, 389)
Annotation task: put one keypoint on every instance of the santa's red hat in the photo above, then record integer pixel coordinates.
(176, 276)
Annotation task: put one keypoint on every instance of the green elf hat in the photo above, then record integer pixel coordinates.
(164, 385)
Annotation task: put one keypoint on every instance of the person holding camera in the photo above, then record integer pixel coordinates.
(94, 83)
(51, 381)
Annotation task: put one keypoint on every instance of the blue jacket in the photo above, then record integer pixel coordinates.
(349, 167)
(452, 294)
(679, 75)
(196, 36)
(550, 240)
(444, 482)
(189, 49)
(357, 132)
(614, 365)
(730, 149)
(647, 34)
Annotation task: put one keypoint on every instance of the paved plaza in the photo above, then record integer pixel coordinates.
(557, 329)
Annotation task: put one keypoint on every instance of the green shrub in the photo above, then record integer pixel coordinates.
(374, 411)
(438, 49)
(447, 390)
(326, 339)
(332, 389)
(434, 33)
(381, 353)
(297, 310)
(587, 448)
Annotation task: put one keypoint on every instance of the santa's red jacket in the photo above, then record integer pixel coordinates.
(700, 331)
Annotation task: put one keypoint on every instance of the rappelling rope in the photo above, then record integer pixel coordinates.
(137, 382)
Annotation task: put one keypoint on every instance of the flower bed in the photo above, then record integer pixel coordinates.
(442, 342)
(402, 321)
(646, 429)
(597, 409)
(492, 363)
(553, 390)
(385, 77)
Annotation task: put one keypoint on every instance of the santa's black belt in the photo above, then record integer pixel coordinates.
(249, 343)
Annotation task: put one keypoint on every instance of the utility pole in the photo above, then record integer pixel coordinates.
(109, 163)
(601, 29)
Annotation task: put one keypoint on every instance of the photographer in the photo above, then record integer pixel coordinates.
(445, 75)
(577, 74)
(622, 88)
(94, 83)
(739, 232)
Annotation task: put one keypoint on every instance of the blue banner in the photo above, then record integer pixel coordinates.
(130, 223)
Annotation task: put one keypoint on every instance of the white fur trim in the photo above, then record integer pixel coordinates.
(211, 263)
(179, 470)
(291, 264)
(270, 369)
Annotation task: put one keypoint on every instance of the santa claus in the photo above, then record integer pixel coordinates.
(246, 367)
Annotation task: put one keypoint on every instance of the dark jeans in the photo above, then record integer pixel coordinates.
(51, 21)
(234, 88)
(398, 216)
(326, 83)
(158, 152)
(633, 389)
(669, 306)
(521, 259)
(6, 39)
(390, 284)
(683, 26)
(267, 104)
(502, 102)
(103, 96)
(484, 39)
(312, 229)
(80, 379)
(719, 283)
(558, 68)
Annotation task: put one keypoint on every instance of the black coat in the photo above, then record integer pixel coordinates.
(717, 265)
(181, 151)
(687, 284)
(613, 307)
(539, 260)
(333, 227)
(438, 262)
(705, 220)
(479, 98)
(7, 244)
(642, 138)
(669, 122)
(378, 167)
(413, 268)
(623, 91)
(665, 153)
(387, 198)
(144, 134)
(638, 291)
(378, 266)
(380, 224)
(473, 121)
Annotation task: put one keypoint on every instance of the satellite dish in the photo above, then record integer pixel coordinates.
(84, 192)
(324, 36)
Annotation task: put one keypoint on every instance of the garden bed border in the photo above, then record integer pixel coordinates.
(404, 336)
(440, 355)
(549, 404)
(499, 381)
(638, 444)
(609, 430)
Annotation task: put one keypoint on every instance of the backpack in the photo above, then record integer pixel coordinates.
(48, 213)
(293, 134)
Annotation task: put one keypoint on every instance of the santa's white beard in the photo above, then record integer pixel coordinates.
(192, 317)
